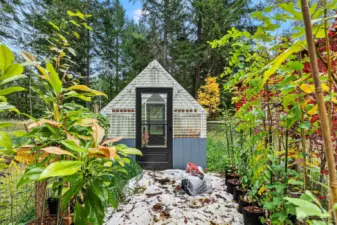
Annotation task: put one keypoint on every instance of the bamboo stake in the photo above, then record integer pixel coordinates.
(327, 45)
(326, 133)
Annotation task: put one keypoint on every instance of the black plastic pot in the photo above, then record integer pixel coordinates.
(237, 192)
(292, 218)
(232, 184)
(252, 214)
(229, 176)
(242, 203)
(294, 194)
(52, 205)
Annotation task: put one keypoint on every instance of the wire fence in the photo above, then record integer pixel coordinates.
(215, 126)
(16, 204)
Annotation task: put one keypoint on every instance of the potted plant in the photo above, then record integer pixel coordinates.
(243, 201)
(241, 189)
(52, 205)
(232, 184)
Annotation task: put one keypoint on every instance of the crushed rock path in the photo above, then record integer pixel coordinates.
(155, 198)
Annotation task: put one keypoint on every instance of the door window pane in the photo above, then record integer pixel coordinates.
(154, 127)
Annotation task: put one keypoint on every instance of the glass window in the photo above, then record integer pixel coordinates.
(154, 127)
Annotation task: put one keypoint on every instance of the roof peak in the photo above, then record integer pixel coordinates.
(155, 63)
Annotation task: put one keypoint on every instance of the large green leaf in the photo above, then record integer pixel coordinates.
(99, 191)
(6, 57)
(86, 89)
(61, 169)
(74, 94)
(54, 79)
(17, 77)
(112, 198)
(30, 175)
(131, 151)
(5, 105)
(277, 62)
(95, 208)
(80, 215)
(75, 188)
(5, 143)
(71, 145)
(10, 90)
(12, 70)
(305, 208)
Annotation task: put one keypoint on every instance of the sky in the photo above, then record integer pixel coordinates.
(133, 10)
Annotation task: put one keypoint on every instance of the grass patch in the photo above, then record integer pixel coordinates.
(120, 179)
(217, 153)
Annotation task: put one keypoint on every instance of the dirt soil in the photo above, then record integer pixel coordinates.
(162, 201)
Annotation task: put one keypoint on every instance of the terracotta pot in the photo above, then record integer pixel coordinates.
(252, 214)
(243, 203)
(232, 184)
(237, 192)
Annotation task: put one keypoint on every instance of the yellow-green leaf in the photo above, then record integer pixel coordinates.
(71, 145)
(276, 63)
(77, 35)
(5, 143)
(54, 79)
(6, 57)
(86, 26)
(54, 26)
(86, 89)
(74, 22)
(12, 70)
(61, 169)
(10, 90)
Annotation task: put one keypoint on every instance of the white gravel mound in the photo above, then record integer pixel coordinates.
(155, 197)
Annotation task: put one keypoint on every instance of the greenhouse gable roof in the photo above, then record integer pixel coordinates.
(154, 75)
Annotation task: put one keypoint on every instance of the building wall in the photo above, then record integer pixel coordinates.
(184, 150)
(186, 124)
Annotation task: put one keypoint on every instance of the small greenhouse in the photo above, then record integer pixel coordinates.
(155, 114)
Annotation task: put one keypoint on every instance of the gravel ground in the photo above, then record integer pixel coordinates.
(155, 197)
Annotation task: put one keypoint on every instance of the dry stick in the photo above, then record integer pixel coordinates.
(304, 151)
(269, 119)
(326, 133)
(304, 146)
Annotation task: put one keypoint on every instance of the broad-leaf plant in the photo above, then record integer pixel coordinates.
(65, 148)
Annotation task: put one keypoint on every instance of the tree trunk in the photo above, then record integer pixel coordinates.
(117, 48)
(326, 132)
(40, 192)
(117, 64)
(87, 81)
(165, 44)
(197, 71)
